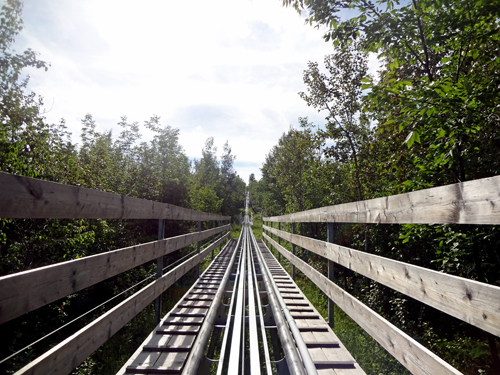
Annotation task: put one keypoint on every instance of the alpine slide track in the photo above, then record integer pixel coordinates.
(244, 314)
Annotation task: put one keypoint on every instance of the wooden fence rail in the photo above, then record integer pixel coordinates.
(414, 356)
(24, 197)
(471, 301)
(74, 350)
(472, 202)
(26, 291)
(29, 198)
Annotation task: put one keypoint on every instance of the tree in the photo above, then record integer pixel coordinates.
(339, 93)
(292, 175)
(440, 78)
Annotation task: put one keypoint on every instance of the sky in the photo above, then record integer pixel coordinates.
(231, 69)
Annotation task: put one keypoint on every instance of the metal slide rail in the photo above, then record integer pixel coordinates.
(244, 305)
(168, 347)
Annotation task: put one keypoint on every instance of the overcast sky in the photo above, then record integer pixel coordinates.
(230, 69)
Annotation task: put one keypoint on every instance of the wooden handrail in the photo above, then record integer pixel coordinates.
(65, 356)
(471, 202)
(471, 301)
(415, 357)
(30, 198)
(26, 291)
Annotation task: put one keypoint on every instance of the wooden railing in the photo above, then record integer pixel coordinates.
(23, 197)
(473, 202)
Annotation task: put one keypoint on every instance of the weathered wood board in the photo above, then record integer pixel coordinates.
(25, 291)
(471, 301)
(68, 354)
(471, 202)
(29, 198)
(415, 357)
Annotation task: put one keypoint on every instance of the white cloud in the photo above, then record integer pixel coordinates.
(225, 68)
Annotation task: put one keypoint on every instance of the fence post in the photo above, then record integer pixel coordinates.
(329, 235)
(220, 247)
(159, 271)
(198, 245)
(213, 238)
(293, 252)
(279, 243)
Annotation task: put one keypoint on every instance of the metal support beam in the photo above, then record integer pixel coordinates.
(159, 270)
(331, 305)
(279, 242)
(213, 239)
(220, 248)
(198, 245)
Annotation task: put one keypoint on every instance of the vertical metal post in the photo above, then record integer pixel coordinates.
(198, 245)
(293, 251)
(220, 247)
(159, 271)
(279, 242)
(329, 235)
(213, 238)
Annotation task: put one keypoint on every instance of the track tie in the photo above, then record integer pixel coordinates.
(171, 349)
(334, 364)
(182, 323)
(305, 316)
(180, 332)
(322, 344)
(152, 370)
(195, 306)
(207, 293)
(301, 310)
(313, 329)
(187, 315)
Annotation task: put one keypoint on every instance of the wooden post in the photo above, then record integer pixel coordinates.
(279, 243)
(198, 245)
(331, 305)
(293, 251)
(159, 271)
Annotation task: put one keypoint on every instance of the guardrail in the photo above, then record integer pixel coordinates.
(473, 202)
(23, 197)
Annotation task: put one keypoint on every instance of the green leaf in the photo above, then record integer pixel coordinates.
(410, 139)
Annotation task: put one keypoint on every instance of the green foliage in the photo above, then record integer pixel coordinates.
(214, 185)
(429, 118)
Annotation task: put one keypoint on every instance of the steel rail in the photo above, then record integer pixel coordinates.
(229, 319)
(252, 318)
(261, 313)
(197, 353)
(293, 360)
(235, 353)
(299, 341)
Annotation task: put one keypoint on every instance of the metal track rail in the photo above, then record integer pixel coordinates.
(328, 354)
(166, 349)
(243, 305)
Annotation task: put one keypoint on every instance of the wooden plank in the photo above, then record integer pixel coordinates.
(471, 202)
(415, 357)
(24, 197)
(471, 301)
(26, 291)
(68, 354)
